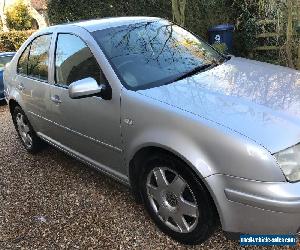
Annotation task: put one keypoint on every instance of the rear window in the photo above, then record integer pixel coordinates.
(39, 57)
(23, 62)
(34, 60)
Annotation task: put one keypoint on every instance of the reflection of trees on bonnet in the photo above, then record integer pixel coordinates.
(236, 83)
(274, 87)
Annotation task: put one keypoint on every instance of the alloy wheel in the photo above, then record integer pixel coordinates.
(172, 199)
(24, 130)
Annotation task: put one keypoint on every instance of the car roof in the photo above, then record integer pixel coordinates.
(104, 23)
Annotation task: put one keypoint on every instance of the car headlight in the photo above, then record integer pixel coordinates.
(289, 162)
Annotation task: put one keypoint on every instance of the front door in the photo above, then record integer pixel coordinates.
(89, 126)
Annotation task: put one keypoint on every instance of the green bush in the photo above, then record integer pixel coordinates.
(200, 14)
(204, 14)
(12, 40)
(18, 16)
(246, 15)
(62, 11)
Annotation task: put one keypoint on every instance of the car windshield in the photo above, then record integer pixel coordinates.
(154, 53)
(4, 60)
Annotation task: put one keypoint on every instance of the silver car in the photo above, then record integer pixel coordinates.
(198, 136)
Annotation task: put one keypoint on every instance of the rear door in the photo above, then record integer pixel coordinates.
(32, 80)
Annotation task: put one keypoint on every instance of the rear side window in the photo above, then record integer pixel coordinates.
(74, 61)
(39, 57)
(34, 60)
(23, 61)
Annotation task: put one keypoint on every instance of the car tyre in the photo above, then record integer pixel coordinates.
(32, 143)
(176, 200)
(2, 103)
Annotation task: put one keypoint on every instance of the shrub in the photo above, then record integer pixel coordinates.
(61, 11)
(12, 40)
(204, 14)
(200, 14)
(18, 16)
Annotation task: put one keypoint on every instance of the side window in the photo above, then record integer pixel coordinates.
(74, 61)
(39, 57)
(23, 61)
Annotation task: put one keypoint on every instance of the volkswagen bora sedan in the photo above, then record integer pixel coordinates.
(198, 136)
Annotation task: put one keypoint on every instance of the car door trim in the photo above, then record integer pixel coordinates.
(33, 78)
(106, 170)
(80, 134)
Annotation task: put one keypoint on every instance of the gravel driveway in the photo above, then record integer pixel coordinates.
(51, 201)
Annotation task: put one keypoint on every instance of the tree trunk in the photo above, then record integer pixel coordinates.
(36, 15)
(178, 9)
(3, 18)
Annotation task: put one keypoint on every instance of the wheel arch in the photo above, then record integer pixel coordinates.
(135, 169)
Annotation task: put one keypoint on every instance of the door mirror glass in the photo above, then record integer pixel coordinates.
(85, 88)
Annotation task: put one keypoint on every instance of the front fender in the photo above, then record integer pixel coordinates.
(207, 147)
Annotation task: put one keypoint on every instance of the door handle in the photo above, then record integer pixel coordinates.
(21, 87)
(55, 99)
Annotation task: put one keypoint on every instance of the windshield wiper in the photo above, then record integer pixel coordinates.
(194, 71)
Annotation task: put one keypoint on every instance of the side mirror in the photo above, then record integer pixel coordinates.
(88, 87)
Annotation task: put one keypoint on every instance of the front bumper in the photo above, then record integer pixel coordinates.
(247, 206)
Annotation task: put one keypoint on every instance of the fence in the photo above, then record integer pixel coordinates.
(278, 34)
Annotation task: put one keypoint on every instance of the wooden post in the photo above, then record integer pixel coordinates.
(289, 34)
(298, 23)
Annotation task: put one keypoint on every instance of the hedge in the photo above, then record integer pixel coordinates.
(204, 14)
(200, 14)
(12, 40)
(62, 11)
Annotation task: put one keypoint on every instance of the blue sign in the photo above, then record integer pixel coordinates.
(268, 240)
